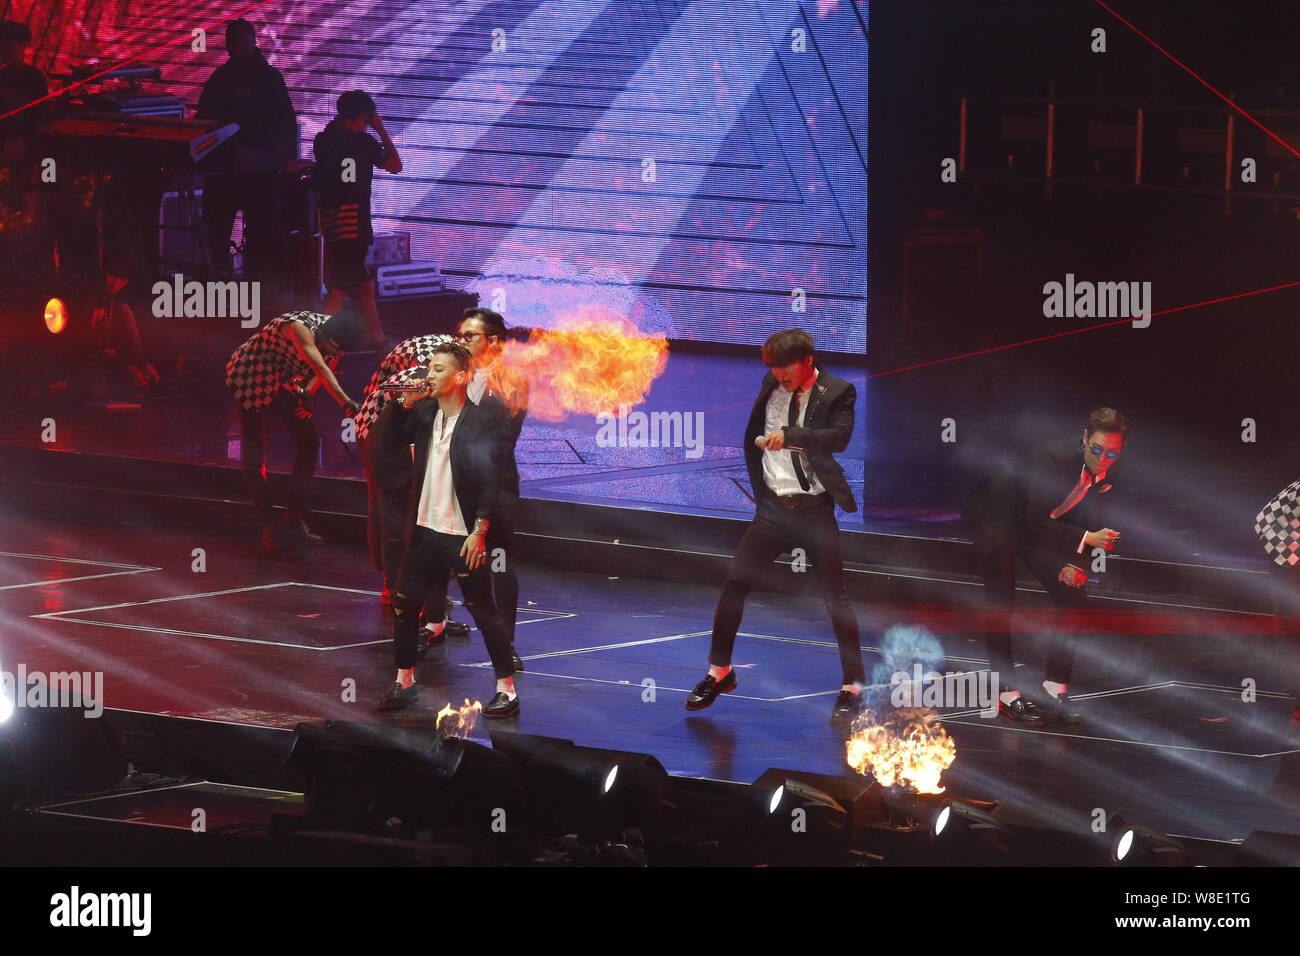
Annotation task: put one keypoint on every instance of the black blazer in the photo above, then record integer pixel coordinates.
(476, 455)
(828, 425)
(509, 426)
(1013, 505)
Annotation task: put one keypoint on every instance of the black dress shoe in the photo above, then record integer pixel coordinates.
(515, 662)
(502, 705)
(456, 628)
(847, 706)
(707, 690)
(1022, 709)
(397, 697)
(1057, 710)
(426, 640)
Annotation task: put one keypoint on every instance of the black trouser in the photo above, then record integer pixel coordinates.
(505, 583)
(257, 196)
(998, 571)
(1286, 625)
(252, 453)
(428, 558)
(386, 515)
(777, 528)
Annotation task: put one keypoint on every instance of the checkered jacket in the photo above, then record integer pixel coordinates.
(268, 360)
(395, 369)
(1278, 526)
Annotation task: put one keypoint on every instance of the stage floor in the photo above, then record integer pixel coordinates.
(1168, 740)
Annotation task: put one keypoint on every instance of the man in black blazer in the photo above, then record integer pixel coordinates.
(454, 497)
(802, 416)
(1039, 509)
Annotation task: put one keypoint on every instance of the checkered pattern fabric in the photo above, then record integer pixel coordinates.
(413, 353)
(1278, 526)
(268, 360)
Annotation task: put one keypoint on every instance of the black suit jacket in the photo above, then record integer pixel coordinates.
(1013, 505)
(828, 425)
(509, 426)
(476, 455)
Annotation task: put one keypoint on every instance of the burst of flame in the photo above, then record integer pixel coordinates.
(591, 363)
(458, 723)
(908, 748)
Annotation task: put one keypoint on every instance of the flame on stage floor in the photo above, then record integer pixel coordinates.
(592, 362)
(908, 748)
(459, 723)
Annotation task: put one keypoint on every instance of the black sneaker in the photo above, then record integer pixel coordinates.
(847, 706)
(707, 690)
(397, 697)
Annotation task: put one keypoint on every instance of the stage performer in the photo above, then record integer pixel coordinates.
(458, 458)
(1039, 509)
(278, 369)
(483, 334)
(803, 415)
(346, 157)
(388, 482)
(1278, 527)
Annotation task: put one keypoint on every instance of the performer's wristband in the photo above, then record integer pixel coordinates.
(481, 526)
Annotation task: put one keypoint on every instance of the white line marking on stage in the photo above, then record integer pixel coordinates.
(56, 557)
(64, 616)
(126, 793)
(126, 569)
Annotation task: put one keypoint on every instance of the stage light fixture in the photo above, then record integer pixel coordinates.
(56, 316)
(586, 790)
(1136, 845)
(377, 771)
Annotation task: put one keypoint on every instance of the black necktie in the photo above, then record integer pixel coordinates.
(791, 422)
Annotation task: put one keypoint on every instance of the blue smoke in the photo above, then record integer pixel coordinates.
(901, 649)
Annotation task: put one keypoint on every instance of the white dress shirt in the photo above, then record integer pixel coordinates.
(778, 466)
(439, 508)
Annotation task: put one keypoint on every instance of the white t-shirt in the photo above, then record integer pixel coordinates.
(439, 509)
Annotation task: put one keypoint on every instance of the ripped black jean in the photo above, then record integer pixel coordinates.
(429, 556)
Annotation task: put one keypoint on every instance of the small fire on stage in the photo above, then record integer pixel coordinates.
(908, 749)
(459, 723)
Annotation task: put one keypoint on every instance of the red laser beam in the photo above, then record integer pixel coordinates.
(1089, 328)
(183, 35)
(1289, 148)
